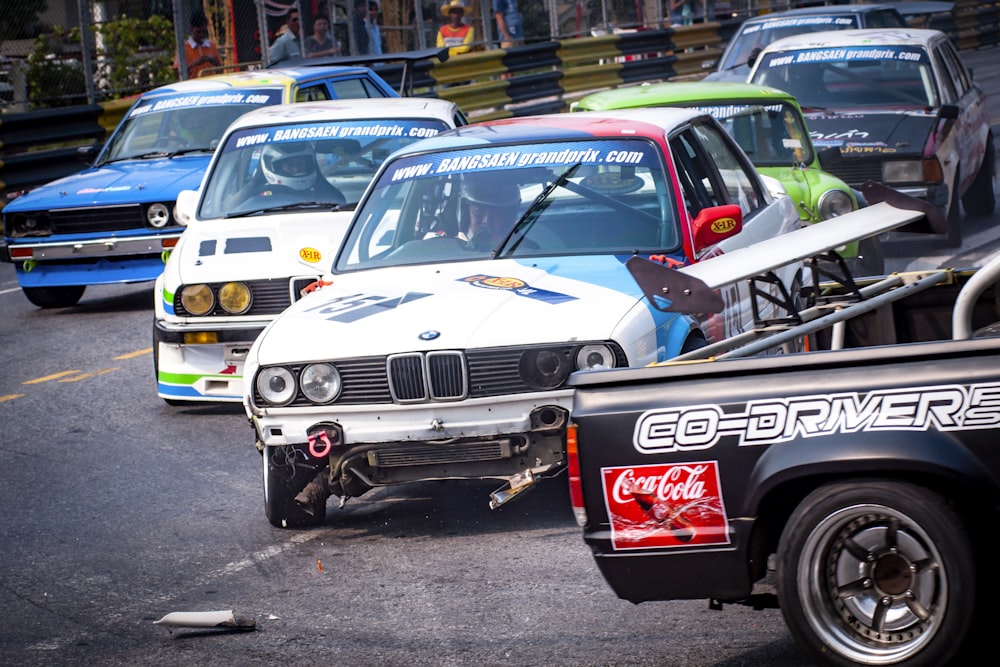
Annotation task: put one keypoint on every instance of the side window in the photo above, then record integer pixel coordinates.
(740, 182)
(354, 89)
(312, 93)
(956, 70)
(697, 182)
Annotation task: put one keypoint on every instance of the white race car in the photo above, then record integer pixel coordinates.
(482, 268)
(264, 225)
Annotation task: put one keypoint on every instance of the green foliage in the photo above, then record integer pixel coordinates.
(137, 55)
(55, 74)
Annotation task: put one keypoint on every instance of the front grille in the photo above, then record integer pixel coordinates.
(97, 219)
(857, 172)
(416, 377)
(447, 375)
(270, 297)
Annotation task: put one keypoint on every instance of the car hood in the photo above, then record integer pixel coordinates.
(740, 73)
(899, 132)
(260, 247)
(126, 182)
(453, 306)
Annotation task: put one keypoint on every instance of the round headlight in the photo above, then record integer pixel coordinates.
(235, 298)
(320, 383)
(158, 215)
(592, 357)
(276, 385)
(544, 368)
(197, 299)
(833, 203)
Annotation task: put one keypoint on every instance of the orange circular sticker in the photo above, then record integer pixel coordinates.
(310, 254)
(504, 283)
(723, 225)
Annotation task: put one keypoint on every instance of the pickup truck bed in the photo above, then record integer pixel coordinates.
(857, 481)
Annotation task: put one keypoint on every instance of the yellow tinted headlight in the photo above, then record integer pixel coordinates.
(235, 298)
(197, 299)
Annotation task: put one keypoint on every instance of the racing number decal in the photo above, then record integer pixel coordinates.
(359, 306)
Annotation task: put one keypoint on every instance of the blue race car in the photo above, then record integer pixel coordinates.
(114, 222)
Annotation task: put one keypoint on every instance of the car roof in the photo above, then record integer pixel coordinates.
(277, 78)
(681, 92)
(821, 10)
(865, 37)
(348, 109)
(653, 122)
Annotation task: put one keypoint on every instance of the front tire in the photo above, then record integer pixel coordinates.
(54, 297)
(877, 573)
(286, 472)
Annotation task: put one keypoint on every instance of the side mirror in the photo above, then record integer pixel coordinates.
(87, 153)
(948, 111)
(715, 224)
(828, 156)
(187, 204)
(752, 57)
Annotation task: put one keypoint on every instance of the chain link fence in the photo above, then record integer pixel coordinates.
(67, 52)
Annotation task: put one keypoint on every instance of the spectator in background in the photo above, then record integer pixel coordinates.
(681, 12)
(374, 31)
(508, 23)
(199, 51)
(457, 35)
(320, 43)
(286, 46)
(359, 27)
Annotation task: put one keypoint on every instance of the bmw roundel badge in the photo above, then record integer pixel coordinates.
(429, 335)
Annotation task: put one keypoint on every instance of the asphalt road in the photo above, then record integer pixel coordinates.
(118, 510)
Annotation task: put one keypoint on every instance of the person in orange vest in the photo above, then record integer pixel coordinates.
(457, 35)
(199, 51)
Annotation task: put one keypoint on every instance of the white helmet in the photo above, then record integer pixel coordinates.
(292, 165)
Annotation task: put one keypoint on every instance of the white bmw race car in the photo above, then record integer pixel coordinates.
(481, 269)
(264, 225)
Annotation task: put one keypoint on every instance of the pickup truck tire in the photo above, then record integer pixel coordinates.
(851, 548)
(980, 200)
(286, 472)
(54, 297)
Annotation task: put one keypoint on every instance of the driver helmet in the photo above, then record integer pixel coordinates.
(292, 165)
(490, 189)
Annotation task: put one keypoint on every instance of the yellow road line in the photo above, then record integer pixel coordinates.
(84, 376)
(133, 355)
(54, 376)
(10, 397)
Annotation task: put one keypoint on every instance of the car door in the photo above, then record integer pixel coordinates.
(972, 126)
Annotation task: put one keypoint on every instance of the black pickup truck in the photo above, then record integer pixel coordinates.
(855, 487)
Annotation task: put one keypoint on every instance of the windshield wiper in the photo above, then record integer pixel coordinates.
(531, 213)
(333, 206)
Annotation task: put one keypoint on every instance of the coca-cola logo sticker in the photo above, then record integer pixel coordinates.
(663, 506)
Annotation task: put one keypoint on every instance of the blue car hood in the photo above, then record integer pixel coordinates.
(124, 182)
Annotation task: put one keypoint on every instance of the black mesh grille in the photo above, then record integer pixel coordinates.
(857, 172)
(97, 219)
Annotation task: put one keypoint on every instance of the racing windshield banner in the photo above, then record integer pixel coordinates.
(219, 98)
(832, 22)
(489, 158)
(361, 130)
(841, 55)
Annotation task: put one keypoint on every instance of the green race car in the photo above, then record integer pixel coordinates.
(768, 124)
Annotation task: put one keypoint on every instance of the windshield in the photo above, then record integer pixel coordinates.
(322, 164)
(755, 36)
(772, 136)
(845, 77)
(560, 198)
(166, 126)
